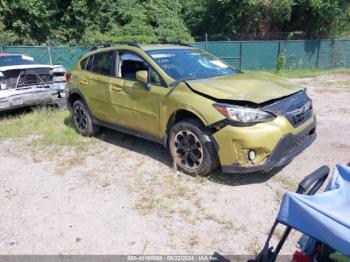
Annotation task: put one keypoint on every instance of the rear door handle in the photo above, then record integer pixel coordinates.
(83, 82)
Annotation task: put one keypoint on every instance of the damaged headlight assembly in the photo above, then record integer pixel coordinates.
(243, 116)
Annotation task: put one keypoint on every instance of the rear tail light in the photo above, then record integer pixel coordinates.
(68, 76)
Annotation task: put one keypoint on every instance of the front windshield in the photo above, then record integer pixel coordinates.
(11, 60)
(190, 64)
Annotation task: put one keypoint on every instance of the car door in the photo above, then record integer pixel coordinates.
(135, 106)
(97, 84)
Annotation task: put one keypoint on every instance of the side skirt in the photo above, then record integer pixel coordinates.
(127, 131)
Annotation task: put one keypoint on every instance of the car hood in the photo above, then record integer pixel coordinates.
(256, 87)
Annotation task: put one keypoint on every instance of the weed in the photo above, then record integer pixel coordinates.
(193, 241)
(287, 183)
(254, 247)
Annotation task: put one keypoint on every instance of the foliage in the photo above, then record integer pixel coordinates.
(260, 18)
(90, 21)
(281, 61)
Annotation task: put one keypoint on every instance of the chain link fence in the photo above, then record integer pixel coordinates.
(66, 56)
(294, 54)
(245, 55)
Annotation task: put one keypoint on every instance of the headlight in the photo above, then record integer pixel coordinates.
(243, 115)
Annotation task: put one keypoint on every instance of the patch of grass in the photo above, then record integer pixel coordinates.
(287, 183)
(146, 204)
(47, 134)
(47, 125)
(163, 195)
(278, 195)
(254, 247)
(193, 240)
(226, 224)
(176, 188)
(305, 73)
(185, 212)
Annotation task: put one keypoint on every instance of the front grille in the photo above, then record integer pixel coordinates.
(299, 116)
(297, 108)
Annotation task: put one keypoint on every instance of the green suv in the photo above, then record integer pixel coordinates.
(206, 112)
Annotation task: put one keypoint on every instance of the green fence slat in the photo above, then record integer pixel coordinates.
(301, 54)
(259, 55)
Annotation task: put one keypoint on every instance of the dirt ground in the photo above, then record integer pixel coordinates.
(120, 195)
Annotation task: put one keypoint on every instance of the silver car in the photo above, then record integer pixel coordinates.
(25, 82)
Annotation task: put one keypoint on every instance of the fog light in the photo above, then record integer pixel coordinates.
(251, 155)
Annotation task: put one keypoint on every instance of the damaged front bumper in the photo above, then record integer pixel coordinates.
(33, 95)
(274, 144)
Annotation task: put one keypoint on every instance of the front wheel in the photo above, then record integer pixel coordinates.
(192, 148)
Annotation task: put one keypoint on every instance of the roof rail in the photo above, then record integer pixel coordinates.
(129, 43)
(171, 43)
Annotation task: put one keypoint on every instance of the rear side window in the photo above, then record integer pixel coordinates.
(83, 63)
(103, 63)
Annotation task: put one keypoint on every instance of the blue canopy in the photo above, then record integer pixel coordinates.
(324, 216)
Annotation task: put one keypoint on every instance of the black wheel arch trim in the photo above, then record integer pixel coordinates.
(76, 91)
(171, 122)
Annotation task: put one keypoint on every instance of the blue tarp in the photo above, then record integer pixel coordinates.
(324, 216)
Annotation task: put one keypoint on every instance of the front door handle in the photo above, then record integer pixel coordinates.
(117, 88)
(83, 82)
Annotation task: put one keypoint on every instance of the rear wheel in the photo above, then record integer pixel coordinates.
(192, 148)
(82, 119)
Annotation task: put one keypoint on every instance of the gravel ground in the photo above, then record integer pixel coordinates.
(122, 196)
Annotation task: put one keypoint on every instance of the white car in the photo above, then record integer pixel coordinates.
(25, 82)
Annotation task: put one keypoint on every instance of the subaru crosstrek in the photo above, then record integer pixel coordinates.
(206, 112)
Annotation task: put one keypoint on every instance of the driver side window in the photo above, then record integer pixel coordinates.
(130, 63)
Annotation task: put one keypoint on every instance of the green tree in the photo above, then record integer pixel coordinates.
(29, 20)
(87, 22)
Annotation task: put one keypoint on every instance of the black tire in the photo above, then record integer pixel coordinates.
(197, 156)
(82, 119)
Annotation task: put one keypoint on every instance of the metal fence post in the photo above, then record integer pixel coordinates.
(49, 50)
(318, 53)
(278, 54)
(240, 55)
(206, 42)
(279, 49)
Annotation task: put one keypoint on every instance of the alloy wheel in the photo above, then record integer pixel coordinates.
(80, 118)
(188, 149)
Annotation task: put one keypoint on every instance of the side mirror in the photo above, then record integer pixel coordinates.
(142, 77)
